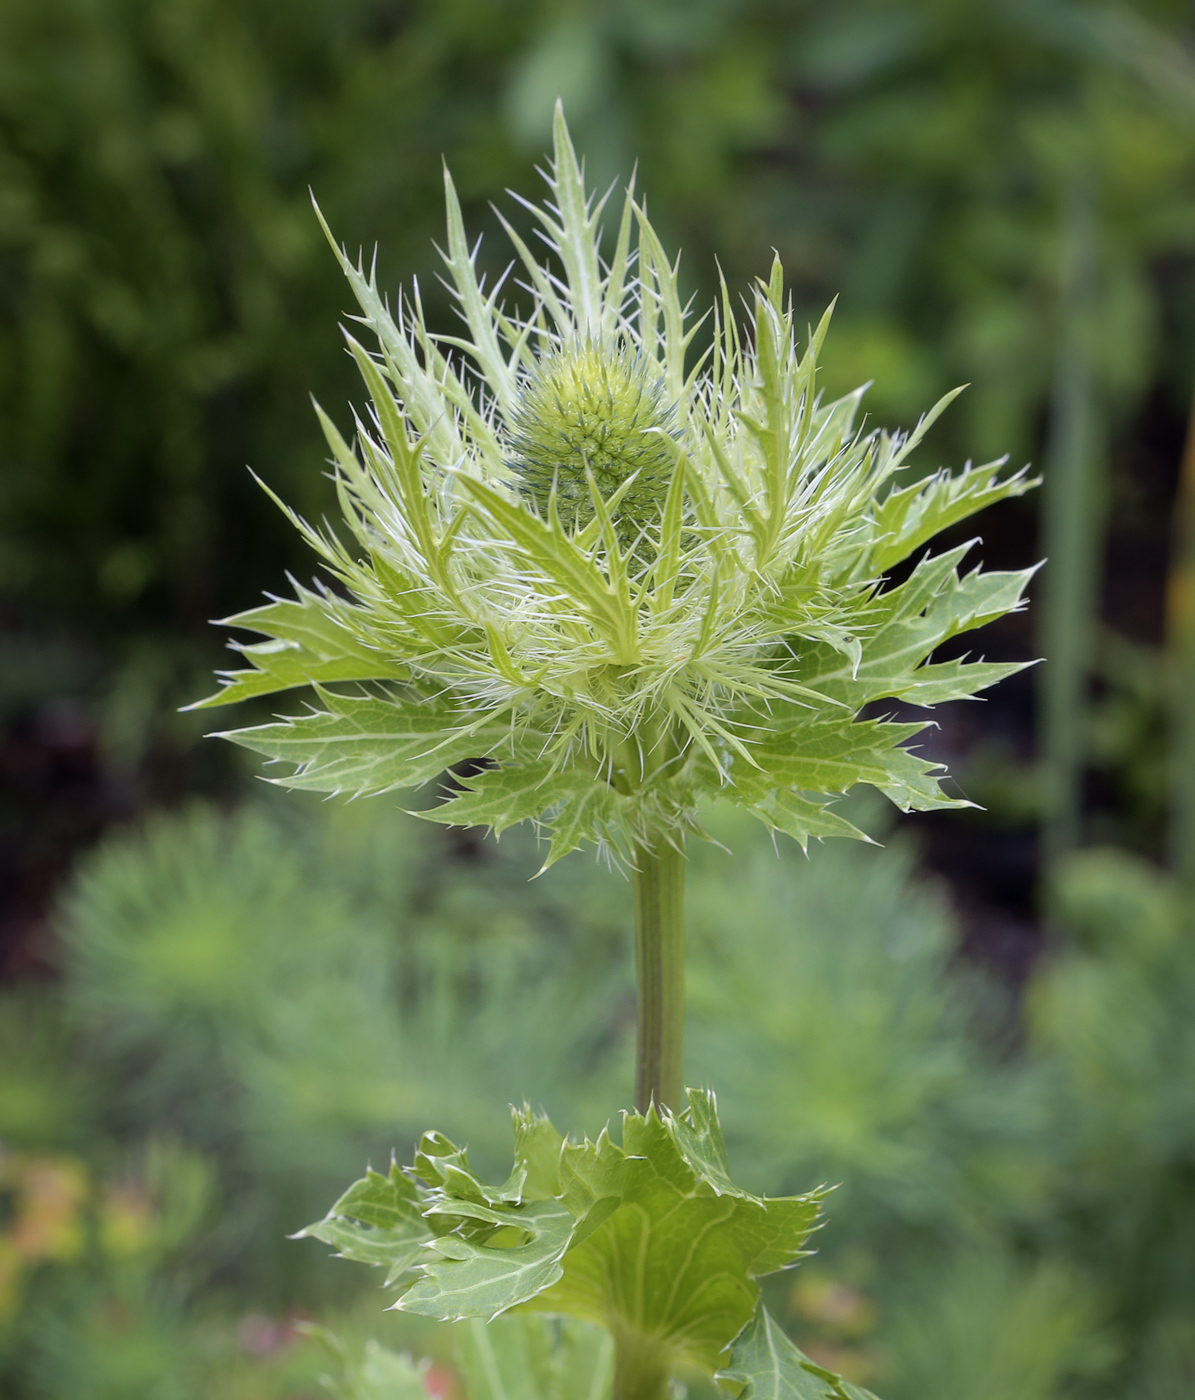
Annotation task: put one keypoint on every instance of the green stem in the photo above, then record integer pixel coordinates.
(659, 883)
(640, 1369)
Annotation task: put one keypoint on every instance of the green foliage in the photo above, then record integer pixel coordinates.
(161, 276)
(1121, 1104)
(853, 1064)
(950, 139)
(1130, 970)
(94, 1270)
(769, 1367)
(45, 1096)
(996, 1328)
(651, 1239)
(290, 984)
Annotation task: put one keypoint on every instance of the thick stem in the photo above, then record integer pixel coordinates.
(640, 1369)
(659, 883)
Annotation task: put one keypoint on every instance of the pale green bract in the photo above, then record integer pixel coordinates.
(710, 627)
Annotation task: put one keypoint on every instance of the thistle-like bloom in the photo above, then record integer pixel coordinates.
(630, 576)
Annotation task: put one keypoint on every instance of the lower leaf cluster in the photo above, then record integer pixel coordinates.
(651, 1238)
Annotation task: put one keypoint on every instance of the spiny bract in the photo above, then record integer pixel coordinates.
(628, 580)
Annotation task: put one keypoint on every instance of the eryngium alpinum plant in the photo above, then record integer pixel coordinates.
(634, 579)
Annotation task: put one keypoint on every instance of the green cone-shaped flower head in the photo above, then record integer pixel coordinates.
(631, 575)
(592, 419)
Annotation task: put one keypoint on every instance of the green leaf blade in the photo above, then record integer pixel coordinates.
(379, 1220)
(368, 745)
(460, 1278)
(311, 642)
(769, 1366)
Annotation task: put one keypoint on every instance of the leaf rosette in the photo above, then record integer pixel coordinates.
(650, 1238)
(628, 575)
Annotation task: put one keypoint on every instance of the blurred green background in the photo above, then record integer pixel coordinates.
(215, 1004)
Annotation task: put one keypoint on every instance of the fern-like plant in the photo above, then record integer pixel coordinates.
(633, 579)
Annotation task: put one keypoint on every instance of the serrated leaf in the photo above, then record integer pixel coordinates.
(958, 680)
(821, 757)
(444, 1168)
(460, 1277)
(675, 1257)
(501, 797)
(931, 606)
(576, 807)
(591, 1173)
(592, 811)
(910, 516)
(279, 666)
(650, 1238)
(368, 745)
(698, 1136)
(554, 553)
(379, 1220)
(796, 815)
(770, 1366)
(538, 1148)
(830, 758)
(309, 642)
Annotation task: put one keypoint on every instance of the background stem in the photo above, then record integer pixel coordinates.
(1180, 646)
(1072, 530)
(659, 884)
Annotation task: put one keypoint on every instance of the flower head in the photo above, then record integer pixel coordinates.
(629, 575)
(591, 420)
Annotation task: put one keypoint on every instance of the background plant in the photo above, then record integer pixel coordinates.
(630, 587)
(918, 158)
